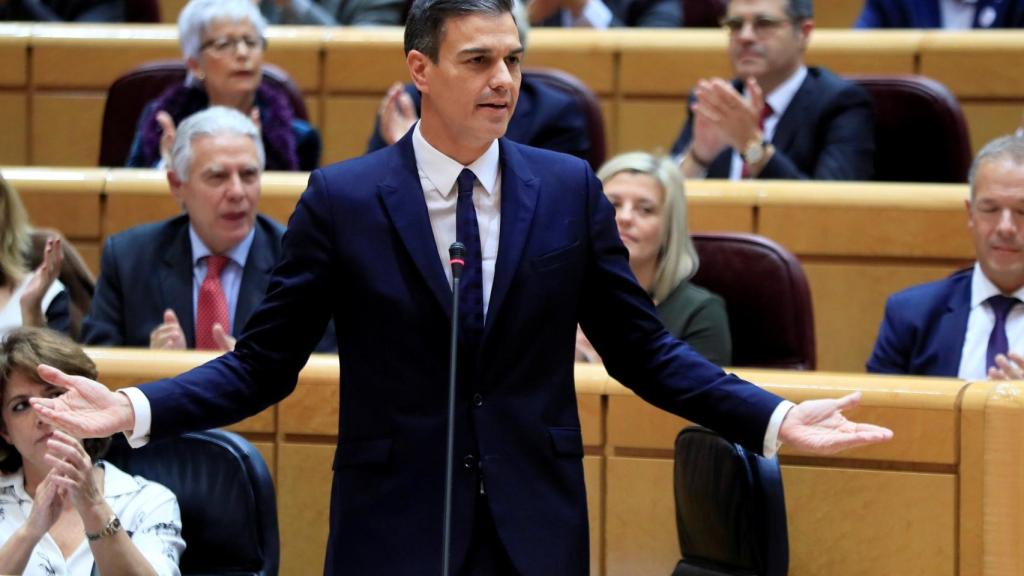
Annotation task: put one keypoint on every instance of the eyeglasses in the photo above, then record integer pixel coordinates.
(761, 24)
(227, 44)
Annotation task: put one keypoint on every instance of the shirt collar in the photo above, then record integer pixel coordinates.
(12, 487)
(784, 93)
(443, 171)
(982, 288)
(238, 254)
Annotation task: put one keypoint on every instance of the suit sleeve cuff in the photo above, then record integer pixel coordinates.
(143, 417)
(771, 435)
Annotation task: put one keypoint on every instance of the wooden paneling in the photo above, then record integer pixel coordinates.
(297, 50)
(987, 121)
(581, 53)
(974, 65)
(860, 52)
(356, 114)
(593, 474)
(303, 493)
(668, 63)
(713, 207)
(14, 127)
(640, 530)
(76, 192)
(836, 13)
(849, 302)
(14, 55)
(136, 196)
(650, 124)
(364, 60)
(66, 128)
(93, 56)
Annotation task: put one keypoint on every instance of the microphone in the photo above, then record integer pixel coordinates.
(457, 258)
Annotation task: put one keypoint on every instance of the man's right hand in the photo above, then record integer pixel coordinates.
(708, 139)
(169, 335)
(87, 409)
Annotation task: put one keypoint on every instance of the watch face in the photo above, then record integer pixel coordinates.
(754, 153)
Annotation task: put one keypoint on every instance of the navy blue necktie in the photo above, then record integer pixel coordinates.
(997, 340)
(471, 289)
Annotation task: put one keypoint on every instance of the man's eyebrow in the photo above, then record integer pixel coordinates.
(484, 51)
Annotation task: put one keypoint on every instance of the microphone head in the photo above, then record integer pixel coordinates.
(457, 258)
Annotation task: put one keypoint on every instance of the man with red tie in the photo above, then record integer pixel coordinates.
(778, 118)
(193, 281)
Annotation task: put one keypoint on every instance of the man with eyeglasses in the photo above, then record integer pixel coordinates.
(777, 118)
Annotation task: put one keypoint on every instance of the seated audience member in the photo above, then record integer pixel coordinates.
(63, 10)
(964, 325)
(543, 117)
(194, 280)
(62, 510)
(223, 44)
(948, 14)
(778, 118)
(29, 298)
(650, 212)
(606, 13)
(333, 12)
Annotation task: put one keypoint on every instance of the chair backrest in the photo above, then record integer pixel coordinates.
(920, 131)
(730, 509)
(147, 11)
(703, 13)
(74, 274)
(130, 93)
(766, 295)
(585, 98)
(226, 496)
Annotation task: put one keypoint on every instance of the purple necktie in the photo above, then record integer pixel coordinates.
(997, 340)
(471, 291)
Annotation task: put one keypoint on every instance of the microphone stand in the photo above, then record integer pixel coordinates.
(457, 255)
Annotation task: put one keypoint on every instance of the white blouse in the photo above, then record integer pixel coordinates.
(10, 314)
(148, 511)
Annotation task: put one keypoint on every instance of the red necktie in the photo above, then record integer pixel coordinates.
(213, 305)
(766, 111)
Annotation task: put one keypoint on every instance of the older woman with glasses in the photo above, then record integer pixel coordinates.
(223, 43)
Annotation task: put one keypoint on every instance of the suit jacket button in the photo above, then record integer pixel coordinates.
(478, 400)
(469, 461)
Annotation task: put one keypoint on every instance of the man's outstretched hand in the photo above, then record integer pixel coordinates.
(87, 409)
(819, 426)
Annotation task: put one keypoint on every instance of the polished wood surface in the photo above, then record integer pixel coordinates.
(943, 497)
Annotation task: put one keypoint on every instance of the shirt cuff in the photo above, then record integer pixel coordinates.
(143, 417)
(771, 436)
(594, 15)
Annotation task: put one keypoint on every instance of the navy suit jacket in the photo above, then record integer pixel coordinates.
(360, 247)
(148, 269)
(544, 117)
(826, 133)
(636, 13)
(927, 14)
(923, 329)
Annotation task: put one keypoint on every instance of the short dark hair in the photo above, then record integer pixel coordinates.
(21, 352)
(425, 26)
(798, 10)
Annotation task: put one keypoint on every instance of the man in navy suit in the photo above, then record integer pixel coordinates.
(949, 14)
(944, 328)
(367, 245)
(151, 275)
(778, 118)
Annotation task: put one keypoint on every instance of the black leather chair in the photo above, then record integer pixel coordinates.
(226, 496)
(130, 93)
(730, 509)
(585, 98)
(920, 131)
(74, 274)
(766, 295)
(703, 13)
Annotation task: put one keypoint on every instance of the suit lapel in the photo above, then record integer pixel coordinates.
(796, 113)
(519, 191)
(176, 280)
(255, 277)
(402, 195)
(952, 327)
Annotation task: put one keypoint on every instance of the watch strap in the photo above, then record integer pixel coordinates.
(113, 527)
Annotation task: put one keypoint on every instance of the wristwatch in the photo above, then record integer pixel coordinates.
(112, 527)
(754, 152)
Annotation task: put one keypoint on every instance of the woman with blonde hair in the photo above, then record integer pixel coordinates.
(30, 298)
(650, 212)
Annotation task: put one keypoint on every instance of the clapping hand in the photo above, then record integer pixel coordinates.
(39, 283)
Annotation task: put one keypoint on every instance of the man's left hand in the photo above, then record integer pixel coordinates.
(819, 426)
(735, 116)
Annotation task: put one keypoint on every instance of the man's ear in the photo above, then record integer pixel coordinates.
(805, 33)
(420, 66)
(176, 185)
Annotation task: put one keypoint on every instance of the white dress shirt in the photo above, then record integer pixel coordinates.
(957, 14)
(595, 14)
(438, 177)
(980, 321)
(779, 100)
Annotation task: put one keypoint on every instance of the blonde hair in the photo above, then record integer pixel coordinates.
(14, 237)
(677, 256)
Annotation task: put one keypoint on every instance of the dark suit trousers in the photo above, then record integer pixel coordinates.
(487, 555)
